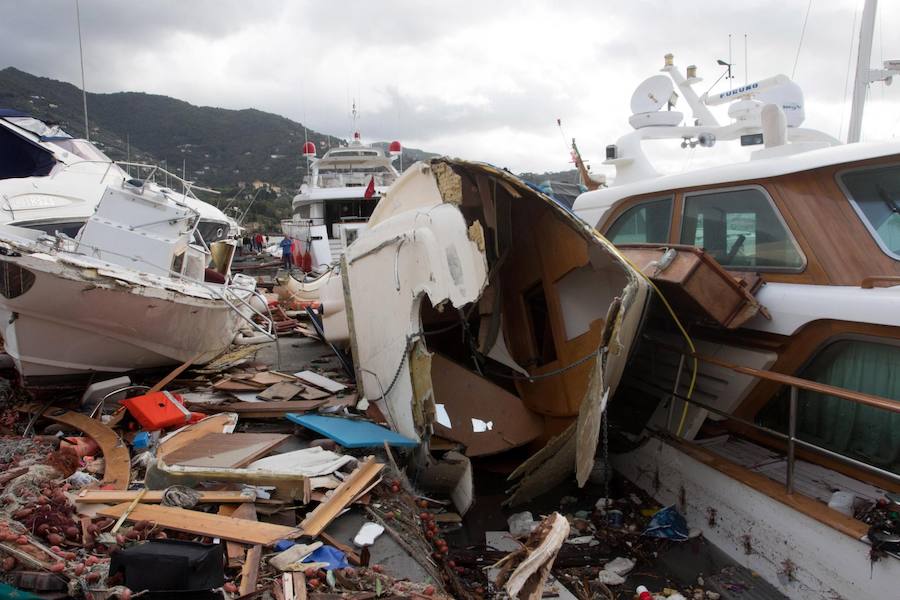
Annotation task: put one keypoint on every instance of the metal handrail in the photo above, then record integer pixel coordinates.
(795, 384)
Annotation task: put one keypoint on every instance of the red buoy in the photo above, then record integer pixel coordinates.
(309, 150)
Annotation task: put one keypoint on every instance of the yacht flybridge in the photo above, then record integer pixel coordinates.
(128, 273)
(339, 195)
(767, 380)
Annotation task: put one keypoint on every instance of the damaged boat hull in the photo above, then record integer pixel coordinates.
(547, 308)
(72, 320)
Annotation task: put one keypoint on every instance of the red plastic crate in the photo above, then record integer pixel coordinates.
(159, 410)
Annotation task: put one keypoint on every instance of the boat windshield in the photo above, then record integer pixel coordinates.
(38, 127)
(875, 194)
(83, 149)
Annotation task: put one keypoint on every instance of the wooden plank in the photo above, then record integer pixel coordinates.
(299, 585)
(192, 521)
(250, 570)
(282, 391)
(175, 373)
(117, 460)
(226, 450)
(250, 410)
(155, 497)
(271, 378)
(191, 433)
(320, 381)
(316, 521)
(352, 556)
(233, 550)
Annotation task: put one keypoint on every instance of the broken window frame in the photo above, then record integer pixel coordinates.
(791, 238)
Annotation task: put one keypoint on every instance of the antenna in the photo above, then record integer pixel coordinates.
(87, 131)
(746, 63)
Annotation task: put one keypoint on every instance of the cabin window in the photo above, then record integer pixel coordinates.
(741, 229)
(875, 194)
(644, 223)
(20, 158)
(14, 280)
(541, 330)
(868, 434)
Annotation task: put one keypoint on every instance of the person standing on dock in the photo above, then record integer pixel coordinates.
(286, 253)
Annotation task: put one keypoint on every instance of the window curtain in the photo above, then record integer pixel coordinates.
(868, 434)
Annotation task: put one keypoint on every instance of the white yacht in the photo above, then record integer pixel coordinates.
(338, 196)
(764, 399)
(104, 272)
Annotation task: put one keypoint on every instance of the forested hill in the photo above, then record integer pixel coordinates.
(217, 148)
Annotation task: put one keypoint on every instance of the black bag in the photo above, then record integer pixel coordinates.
(170, 566)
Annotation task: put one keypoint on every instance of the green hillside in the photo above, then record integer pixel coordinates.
(227, 150)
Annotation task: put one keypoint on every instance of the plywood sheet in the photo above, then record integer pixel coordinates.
(192, 521)
(226, 450)
(477, 413)
(188, 435)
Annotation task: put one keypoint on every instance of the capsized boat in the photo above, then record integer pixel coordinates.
(769, 412)
(483, 312)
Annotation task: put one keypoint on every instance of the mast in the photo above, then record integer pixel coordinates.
(87, 131)
(586, 179)
(863, 77)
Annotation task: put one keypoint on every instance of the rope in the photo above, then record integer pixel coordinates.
(802, 34)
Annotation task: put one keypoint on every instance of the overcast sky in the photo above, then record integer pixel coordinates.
(484, 80)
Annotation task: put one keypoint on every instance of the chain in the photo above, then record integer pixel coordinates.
(606, 469)
(396, 378)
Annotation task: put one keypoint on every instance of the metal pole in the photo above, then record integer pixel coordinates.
(861, 79)
(792, 434)
(87, 131)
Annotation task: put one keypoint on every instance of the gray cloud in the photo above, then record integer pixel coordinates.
(464, 77)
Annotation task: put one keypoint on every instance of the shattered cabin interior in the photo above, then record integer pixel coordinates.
(485, 314)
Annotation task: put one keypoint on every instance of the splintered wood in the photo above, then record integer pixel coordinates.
(192, 521)
(351, 488)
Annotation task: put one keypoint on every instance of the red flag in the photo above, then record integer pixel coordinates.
(370, 189)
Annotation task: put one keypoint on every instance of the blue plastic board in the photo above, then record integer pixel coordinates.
(351, 434)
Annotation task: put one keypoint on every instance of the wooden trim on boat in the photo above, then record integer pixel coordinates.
(773, 489)
(809, 456)
(839, 249)
(798, 350)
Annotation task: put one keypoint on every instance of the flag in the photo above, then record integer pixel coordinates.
(370, 189)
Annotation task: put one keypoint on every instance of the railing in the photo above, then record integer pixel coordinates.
(795, 384)
(188, 187)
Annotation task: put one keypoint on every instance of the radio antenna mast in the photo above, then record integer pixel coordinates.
(87, 131)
